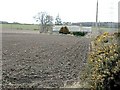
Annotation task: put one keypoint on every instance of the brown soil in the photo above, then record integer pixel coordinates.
(40, 60)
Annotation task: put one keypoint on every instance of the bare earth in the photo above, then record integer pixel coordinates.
(40, 60)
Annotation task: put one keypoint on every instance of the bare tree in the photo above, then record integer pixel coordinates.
(45, 21)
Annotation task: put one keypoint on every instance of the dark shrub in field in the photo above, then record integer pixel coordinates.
(61, 30)
(79, 33)
(64, 30)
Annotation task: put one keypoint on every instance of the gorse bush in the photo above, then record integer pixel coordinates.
(104, 63)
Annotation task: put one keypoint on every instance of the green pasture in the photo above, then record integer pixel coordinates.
(105, 29)
(36, 27)
(20, 26)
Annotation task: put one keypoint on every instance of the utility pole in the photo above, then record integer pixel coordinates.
(97, 16)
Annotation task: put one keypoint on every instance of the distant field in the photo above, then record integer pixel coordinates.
(20, 26)
(105, 29)
(36, 27)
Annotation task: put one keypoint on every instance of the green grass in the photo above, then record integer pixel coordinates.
(21, 26)
(106, 29)
(36, 27)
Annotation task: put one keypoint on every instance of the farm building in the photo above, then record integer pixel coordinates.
(73, 28)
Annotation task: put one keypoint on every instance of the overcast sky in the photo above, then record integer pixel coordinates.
(69, 10)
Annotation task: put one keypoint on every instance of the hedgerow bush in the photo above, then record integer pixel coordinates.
(79, 33)
(104, 63)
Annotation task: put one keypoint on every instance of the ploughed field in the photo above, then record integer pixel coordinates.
(40, 60)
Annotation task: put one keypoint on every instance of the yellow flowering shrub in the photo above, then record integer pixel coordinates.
(104, 62)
